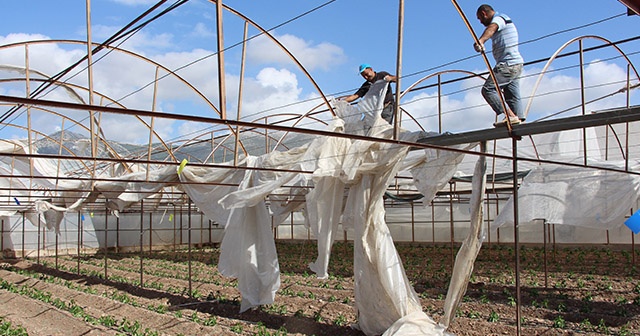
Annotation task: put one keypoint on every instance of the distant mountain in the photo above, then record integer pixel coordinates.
(255, 144)
(80, 145)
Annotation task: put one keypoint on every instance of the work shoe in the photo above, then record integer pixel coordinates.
(512, 120)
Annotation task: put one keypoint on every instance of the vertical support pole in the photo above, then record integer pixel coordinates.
(274, 229)
(606, 141)
(181, 226)
(544, 239)
(141, 242)
(189, 246)
(117, 234)
(413, 223)
(240, 87)
(175, 220)
(78, 242)
(150, 231)
(266, 136)
(583, 100)
(38, 243)
(433, 223)
(488, 212)
(56, 258)
(633, 244)
(516, 236)
(106, 242)
(439, 103)
(291, 225)
(626, 138)
(221, 80)
(2, 238)
(201, 232)
(94, 128)
(451, 231)
(633, 249)
(397, 111)
(28, 93)
(23, 233)
(497, 212)
(44, 241)
(553, 228)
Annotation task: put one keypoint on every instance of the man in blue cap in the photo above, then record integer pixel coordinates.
(370, 76)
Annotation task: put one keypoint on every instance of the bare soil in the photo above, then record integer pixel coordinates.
(584, 290)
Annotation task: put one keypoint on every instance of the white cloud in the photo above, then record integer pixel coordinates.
(322, 56)
(271, 89)
(47, 58)
(202, 30)
(279, 79)
(21, 37)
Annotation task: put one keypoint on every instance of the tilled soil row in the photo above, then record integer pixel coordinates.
(98, 306)
(39, 318)
(578, 300)
(300, 299)
(298, 315)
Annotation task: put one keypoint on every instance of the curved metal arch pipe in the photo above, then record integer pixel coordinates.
(70, 87)
(439, 73)
(52, 140)
(124, 51)
(129, 53)
(274, 40)
(231, 10)
(307, 115)
(63, 117)
(555, 55)
(221, 144)
(78, 124)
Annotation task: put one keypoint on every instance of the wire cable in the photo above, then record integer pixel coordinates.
(115, 37)
(223, 50)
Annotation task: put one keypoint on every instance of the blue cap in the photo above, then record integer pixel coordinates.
(363, 66)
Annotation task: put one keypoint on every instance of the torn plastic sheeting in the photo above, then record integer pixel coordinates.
(574, 196)
(383, 293)
(248, 250)
(437, 169)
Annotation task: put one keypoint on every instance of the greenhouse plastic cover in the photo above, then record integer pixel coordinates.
(577, 196)
(385, 300)
(384, 296)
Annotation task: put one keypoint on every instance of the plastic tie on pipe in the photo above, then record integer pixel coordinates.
(182, 165)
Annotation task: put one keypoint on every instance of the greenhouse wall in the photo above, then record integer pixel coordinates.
(440, 222)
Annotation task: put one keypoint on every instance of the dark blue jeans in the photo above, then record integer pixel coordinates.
(508, 78)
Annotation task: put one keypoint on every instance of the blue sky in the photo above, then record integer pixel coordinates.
(330, 42)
